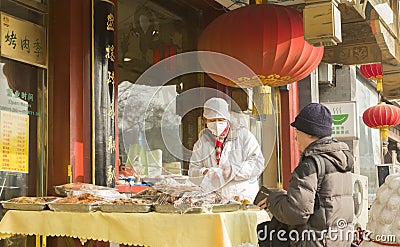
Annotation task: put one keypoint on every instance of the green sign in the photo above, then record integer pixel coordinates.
(344, 120)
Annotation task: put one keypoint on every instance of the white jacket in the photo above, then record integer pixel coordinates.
(241, 151)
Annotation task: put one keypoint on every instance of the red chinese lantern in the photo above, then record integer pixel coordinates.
(373, 72)
(382, 117)
(268, 38)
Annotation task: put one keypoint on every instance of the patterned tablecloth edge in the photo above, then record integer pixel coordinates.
(4, 235)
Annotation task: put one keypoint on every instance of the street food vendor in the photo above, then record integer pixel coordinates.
(227, 156)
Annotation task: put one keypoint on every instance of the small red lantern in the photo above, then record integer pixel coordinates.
(268, 38)
(373, 72)
(382, 117)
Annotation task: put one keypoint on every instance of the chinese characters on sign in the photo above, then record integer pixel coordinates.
(20, 102)
(110, 22)
(110, 81)
(110, 77)
(110, 53)
(14, 142)
(23, 41)
(104, 83)
(18, 94)
(111, 112)
(111, 145)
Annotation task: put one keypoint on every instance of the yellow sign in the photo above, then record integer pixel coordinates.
(23, 41)
(14, 142)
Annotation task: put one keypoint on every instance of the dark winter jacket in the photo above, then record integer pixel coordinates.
(334, 215)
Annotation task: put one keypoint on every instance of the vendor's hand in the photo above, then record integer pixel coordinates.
(226, 172)
(214, 177)
(263, 203)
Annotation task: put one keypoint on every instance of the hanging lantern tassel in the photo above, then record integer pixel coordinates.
(262, 101)
(384, 134)
(379, 83)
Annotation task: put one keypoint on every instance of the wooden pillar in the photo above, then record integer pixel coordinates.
(80, 146)
(290, 151)
(59, 129)
(69, 128)
(69, 92)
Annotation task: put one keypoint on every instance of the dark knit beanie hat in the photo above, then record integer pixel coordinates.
(314, 119)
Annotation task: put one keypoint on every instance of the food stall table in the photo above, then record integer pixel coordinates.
(149, 229)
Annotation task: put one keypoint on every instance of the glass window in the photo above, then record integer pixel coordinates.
(146, 119)
(23, 96)
(148, 33)
(369, 138)
(20, 127)
(21, 131)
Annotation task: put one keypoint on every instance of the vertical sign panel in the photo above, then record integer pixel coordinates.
(103, 74)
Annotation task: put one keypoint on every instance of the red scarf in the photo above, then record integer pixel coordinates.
(219, 142)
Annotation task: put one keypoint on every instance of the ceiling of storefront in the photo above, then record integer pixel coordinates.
(147, 26)
(167, 19)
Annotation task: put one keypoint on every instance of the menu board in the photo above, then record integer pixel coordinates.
(14, 142)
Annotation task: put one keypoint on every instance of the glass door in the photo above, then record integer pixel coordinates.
(23, 105)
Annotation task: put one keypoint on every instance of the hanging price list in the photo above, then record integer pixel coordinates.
(14, 142)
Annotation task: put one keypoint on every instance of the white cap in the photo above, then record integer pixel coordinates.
(216, 108)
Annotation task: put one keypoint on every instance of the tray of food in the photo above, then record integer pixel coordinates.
(150, 193)
(73, 189)
(82, 203)
(28, 203)
(157, 179)
(226, 207)
(180, 209)
(127, 205)
(72, 207)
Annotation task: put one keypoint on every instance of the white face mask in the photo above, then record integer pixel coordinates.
(217, 127)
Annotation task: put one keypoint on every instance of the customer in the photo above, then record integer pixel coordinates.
(329, 212)
(227, 156)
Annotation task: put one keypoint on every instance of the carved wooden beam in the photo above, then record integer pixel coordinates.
(357, 47)
(352, 54)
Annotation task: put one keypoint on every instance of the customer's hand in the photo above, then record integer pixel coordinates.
(263, 203)
(279, 190)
